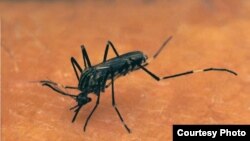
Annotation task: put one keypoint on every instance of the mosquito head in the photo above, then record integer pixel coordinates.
(82, 99)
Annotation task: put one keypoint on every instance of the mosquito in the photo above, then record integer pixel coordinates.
(96, 78)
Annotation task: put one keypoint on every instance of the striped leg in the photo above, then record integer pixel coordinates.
(185, 73)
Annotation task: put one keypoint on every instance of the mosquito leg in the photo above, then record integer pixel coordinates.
(76, 66)
(107, 48)
(217, 69)
(96, 105)
(201, 70)
(114, 104)
(150, 73)
(86, 59)
(185, 73)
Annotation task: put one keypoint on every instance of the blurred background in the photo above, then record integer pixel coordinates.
(39, 37)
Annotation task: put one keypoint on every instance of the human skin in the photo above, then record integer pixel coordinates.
(38, 39)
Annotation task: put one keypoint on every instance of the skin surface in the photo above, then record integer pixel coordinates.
(39, 37)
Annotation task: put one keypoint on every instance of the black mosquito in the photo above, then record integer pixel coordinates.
(96, 78)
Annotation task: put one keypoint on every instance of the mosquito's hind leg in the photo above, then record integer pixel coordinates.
(106, 50)
(184, 73)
